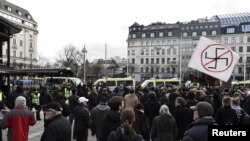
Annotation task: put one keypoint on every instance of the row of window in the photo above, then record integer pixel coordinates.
(154, 51)
(233, 40)
(158, 69)
(21, 43)
(17, 20)
(170, 34)
(156, 61)
(14, 54)
(199, 27)
(240, 49)
(18, 12)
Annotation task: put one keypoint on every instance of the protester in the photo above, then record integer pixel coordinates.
(198, 129)
(57, 127)
(18, 121)
(112, 120)
(183, 116)
(141, 124)
(97, 115)
(164, 127)
(126, 132)
(81, 115)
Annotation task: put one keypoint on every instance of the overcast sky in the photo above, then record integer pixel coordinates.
(96, 22)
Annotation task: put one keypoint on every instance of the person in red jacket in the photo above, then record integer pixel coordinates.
(18, 121)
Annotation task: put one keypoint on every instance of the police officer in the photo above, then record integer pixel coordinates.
(36, 103)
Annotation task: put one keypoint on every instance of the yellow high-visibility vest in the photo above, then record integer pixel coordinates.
(1, 96)
(35, 98)
(67, 93)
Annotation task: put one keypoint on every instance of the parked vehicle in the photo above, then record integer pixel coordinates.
(161, 82)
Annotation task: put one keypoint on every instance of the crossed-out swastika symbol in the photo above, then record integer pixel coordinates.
(216, 58)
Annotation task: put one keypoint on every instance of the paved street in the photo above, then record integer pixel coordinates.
(36, 131)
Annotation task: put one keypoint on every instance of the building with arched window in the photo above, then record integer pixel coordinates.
(23, 46)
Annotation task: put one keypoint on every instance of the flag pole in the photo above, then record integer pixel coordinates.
(244, 57)
(180, 53)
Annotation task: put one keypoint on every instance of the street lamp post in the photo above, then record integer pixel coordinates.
(84, 51)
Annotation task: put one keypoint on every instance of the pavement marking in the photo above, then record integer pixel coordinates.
(35, 134)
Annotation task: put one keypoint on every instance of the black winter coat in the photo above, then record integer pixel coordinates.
(198, 130)
(118, 135)
(110, 123)
(57, 129)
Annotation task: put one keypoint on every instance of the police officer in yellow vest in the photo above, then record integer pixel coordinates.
(35, 96)
(67, 92)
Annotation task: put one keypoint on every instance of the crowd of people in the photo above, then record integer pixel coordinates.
(143, 114)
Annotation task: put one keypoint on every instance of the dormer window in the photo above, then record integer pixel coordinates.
(19, 13)
(28, 16)
(8, 8)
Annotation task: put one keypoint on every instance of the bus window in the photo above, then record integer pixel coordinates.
(125, 82)
(150, 84)
(110, 83)
(159, 83)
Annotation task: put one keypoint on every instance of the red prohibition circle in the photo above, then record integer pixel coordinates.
(226, 52)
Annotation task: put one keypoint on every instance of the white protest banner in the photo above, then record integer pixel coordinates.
(213, 59)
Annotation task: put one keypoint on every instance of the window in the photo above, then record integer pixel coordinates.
(152, 35)
(147, 61)
(174, 42)
(147, 51)
(19, 13)
(163, 51)
(174, 51)
(233, 48)
(170, 33)
(225, 40)
(168, 51)
(142, 60)
(21, 43)
(157, 60)
(152, 43)
(204, 33)
(152, 60)
(248, 48)
(147, 43)
(142, 52)
(28, 16)
(194, 34)
(248, 39)
(14, 53)
(143, 35)
(231, 30)
(185, 34)
(169, 42)
(14, 41)
(158, 43)
(30, 55)
(9, 8)
(233, 39)
(157, 51)
(168, 60)
(162, 70)
(142, 69)
(240, 60)
(240, 49)
(21, 54)
(152, 52)
(161, 34)
(245, 28)
(134, 36)
(157, 70)
(147, 69)
(128, 53)
(30, 44)
(133, 52)
(162, 60)
(241, 39)
(133, 61)
(248, 60)
(240, 70)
